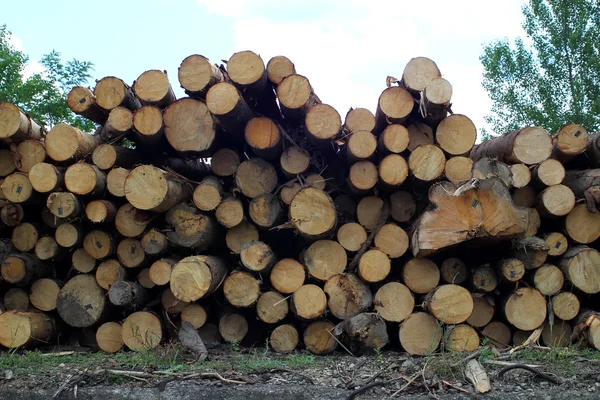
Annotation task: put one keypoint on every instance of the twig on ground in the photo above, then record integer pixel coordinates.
(506, 364)
(409, 381)
(364, 389)
(529, 368)
(340, 343)
(470, 356)
(455, 387)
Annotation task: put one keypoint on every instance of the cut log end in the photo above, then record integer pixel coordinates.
(241, 289)
(324, 259)
(451, 304)
(278, 68)
(427, 162)
(271, 307)
(284, 339)
(313, 213)
(420, 334)
(526, 309)
(309, 302)
(233, 327)
(394, 302)
(456, 134)
(109, 337)
(142, 331)
(318, 338)
(421, 275)
(81, 302)
(287, 276)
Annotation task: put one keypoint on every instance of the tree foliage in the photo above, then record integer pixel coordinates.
(42, 95)
(552, 77)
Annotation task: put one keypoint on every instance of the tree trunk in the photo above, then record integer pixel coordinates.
(323, 124)
(453, 270)
(529, 146)
(521, 175)
(271, 307)
(28, 154)
(109, 337)
(374, 266)
(418, 73)
(287, 276)
(68, 144)
(458, 169)
(233, 327)
(46, 248)
(309, 302)
(525, 309)
(128, 294)
(548, 279)
(565, 306)
(324, 259)
(189, 127)
(109, 272)
(191, 228)
(360, 146)
(130, 253)
(115, 181)
(557, 242)
(99, 244)
(284, 339)
(150, 188)
(197, 74)
(257, 257)
(427, 162)
(229, 107)
(588, 328)
(23, 269)
(81, 101)
(450, 304)
(45, 178)
(112, 92)
(296, 97)
(548, 173)
(208, 194)
(241, 289)
(581, 268)
(239, 235)
(498, 334)
(17, 189)
(107, 156)
(196, 277)
(363, 177)
(25, 329)
(313, 213)
(264, 137)
(393, 171)
(16, 126)
(247, 70)
(81, 302)
(583, 226)
(585, 185)
(394, 139)
(142, 330)
(318, 338)
(420, 334)
(393, 107)
(363, 333)
(224, 162)
(255, 177)
(230, 212)
(532, 251)
(155, 243)
(43, 294)
(456, 134)
(487, 168)
(82, 261)
(347, 296)
(153, 87)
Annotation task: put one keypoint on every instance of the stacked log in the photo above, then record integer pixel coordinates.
(324, 229)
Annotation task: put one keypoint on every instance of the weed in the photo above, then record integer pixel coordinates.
(295, 360)
(235, 346)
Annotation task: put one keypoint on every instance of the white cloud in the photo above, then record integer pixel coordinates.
(32, 67)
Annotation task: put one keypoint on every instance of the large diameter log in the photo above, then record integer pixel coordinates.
(521, 175)
(109, 337)
(128, 294)
(23, 269)
(363, 177)
(255, 177)
(208, 194)
(287, 276)
(359, 119)
(324, 259)
(109, 272)
(585, 185)
(107, 156)
(394, 302)
(81, 101)
(226, 103)
(46, 248)
(43, 294)
(313, 213)
(565, 305)
(421, 275)
(21, 329)
(427, 162)
(420, 334)
(295, 96)
(130, 253)
(81, 302)
(112, 92)
(28, 154)
(16, 126)
(233, 327)
(347, 296)
(271, 307)
(309, 302)
(115, 181)
(189, 126)
(570, 141)
(462, 338)
(450, 304)
(394, 139)
(197, 74)
(25, 236)
(17, 188)
(323, 124)
(191, 228)
(453, 270)
(530, 145)
(393, 107)
(82, 261)
(581, 268)
(153, 87)
(67, 143)
(284, 339)
(458, 169)
(456, 134)
(318, 338)
(264, 137)
(16, 299)
(99, 244)
(150, 188)
(7, 165)
(483, 311)
(257, 256)
(197, 276)
(583, 226)
(142, 330)
(46, 178)
(487, 212)
(525, 309)
(241, 289)
(549, 172)
(85, 180)
(239, 235)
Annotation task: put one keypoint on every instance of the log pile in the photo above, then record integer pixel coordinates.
(253, 210)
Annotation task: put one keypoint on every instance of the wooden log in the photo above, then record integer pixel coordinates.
(195, 314)
(172, 304)
(99, 244)
(287, 276)
(109, 337)
(369, 211)
(257, 256)
(7, 165)
(548, 173)
(421, 275)
(486, 168)
(191, 228)
(324, 259)
(392, 240)
(17, 126)
(197, 74)
(565, 306)
(233, 327)
(309, 302)
(498, 334)
(239, 235)
(524, 197)
(155, 243)
(585, 185)
(435, 101)
(294, 161)
(519, 337)
(264, 137)
(427, 162)
(81, 101)
(360, 146)
(69, 235)
(557, 334)
(196, 277)
(266, 211)
(109, 272)
(456, 134)
(394, 302)
(278, 68)
(255, 177)
(359, 119)
(150, 188)
(570, 141)
(402, 206)
(25, 236)
(16, 299)
(393, 170)
(318, 338)
(46, 178)
(230, 212)
(82, 261)
(521, 175)
(85, 180)
(510, 269)
(347, 296)
(419, 134)
(271, 307)
(241, 289)
(130, 253)
(65, 143)
(118, 124)
(393, 107)
(394, 139)
(438, 228)
(46, 248)
(530, 145)
(557, 242)
(143, 279)
(100, 211)
(115, 181)
(130, 221)
(351, 236)
(23, 329)
(450, 304)
(458, 169)
(142, 330)
(128, 294)
(189, 127)
(17, 188)
(548, 279)
(247, 70)
(483, 279)
(153, 87)
(313, 213)
(420, 334)
(583, 226)
(11, 214)
(323, 124)
(149, 125)
(364, 333)
(224, 162)
(226, 103)
(581, 268)
(107, 156)
(525, 309)
(453, 270)
(532, 251)
(462, 338)
(374, 266)
(590, 157)
(28, 154)
(419, 72)
(43, 294)
(160, 271)
(296, 97)
(81, 302)
(483, 311)
(284, 339)
(363, 177)
(208, 194)
(112, 92)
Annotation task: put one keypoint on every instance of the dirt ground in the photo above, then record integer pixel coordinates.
(233, 373)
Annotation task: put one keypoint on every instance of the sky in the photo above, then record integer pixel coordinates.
(346, 48)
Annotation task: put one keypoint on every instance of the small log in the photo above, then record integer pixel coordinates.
(128, 294)
(233, 327)
(393, 170)
(16, 299)
(118, 124)
(581, 268)
(583, 226)
(402, 206)
(25, 329)
(524, 197)
(525, 309)
(195, 314)
(313, 213)
(324, 259)
(548, 173)
(360, 146)
(81, 101)
(359, 119)
(112, 92)
(81, 302)
(150, 188)
(46, 178)
(521, 175)
(100, 211)
(130, 221)
(208, 194)
(241, 289)
(99, 244)
(172, 304)
(50, 220)
(196, 277)
(284, 339)
(486, 168)
(287, 276)
(189, 127)
(23, 269)
(456, 134)
(7, 165)
(67, 143)
(160, 271)
(11, 214)
(46, 248)
(565, 306)
(296, 96)
(557, 242)
(392, 240)
(483, 311)
(25, 236)
(453, 270)
(191, 228)
(347, 296)
(82, 261)
(107, 156)
(548, 279)
(271, 307)
(484, 279)
(450, 304)
(224, 162)
(69, 235)
(323, 124)
(498, 334)
(309, 302)
(197, 74)
(130, 253)
(17, 188)
(155, 243)
(264, 137)
(149, 125)
(363, 177)
(436, 101)
(570, 141)
(458, 169)
(318, 338)
(421, 275)
(394, 139)
(43, 294)
(257, 257)
(266, 211)
(255, 177)
(475, 373)
(427, 162)
(239, 235)
(143, 279)
(142, 330)
(510, 269)
(230, 212)
(109, 337)
(247, 70)
(226, 103)
(558, 334)
(374, 266)
(585, 185)
(393, 107)
(364, 333)
(394, 302)
(294, 161)
(109, 272)
(351, 236)
(419, 134)
(519, 337)
(153, 87)
(28, 154)
(369, 211)
(17, 126)
(532, 251)
(278, 68)
(418, 73)
(420, 334)
(462, 338)
(115, 181)
(85, 180)
(530, 145)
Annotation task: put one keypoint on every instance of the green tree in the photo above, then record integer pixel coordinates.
(42, 95)
(553, 81)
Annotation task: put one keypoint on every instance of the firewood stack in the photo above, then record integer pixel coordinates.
(253, 210)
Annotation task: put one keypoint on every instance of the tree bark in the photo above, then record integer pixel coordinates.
(81, 101)
(25, 329)
(529, 146)
(585, 185)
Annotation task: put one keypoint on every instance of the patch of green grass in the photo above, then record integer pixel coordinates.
(300, 360)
